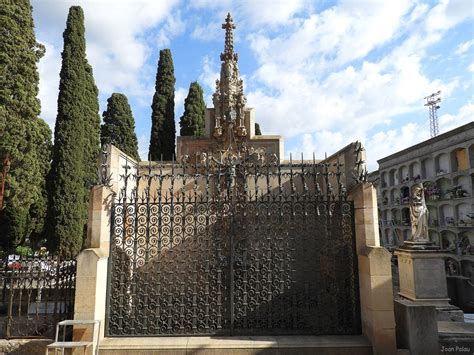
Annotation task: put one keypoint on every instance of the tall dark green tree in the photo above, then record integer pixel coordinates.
(24, 137)
(119, 126)
(257, 129)
(192, 120)
(163, 128)
(76, 143)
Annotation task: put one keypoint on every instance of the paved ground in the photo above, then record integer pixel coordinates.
(469, 317)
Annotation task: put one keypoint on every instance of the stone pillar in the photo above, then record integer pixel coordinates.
(92, 263)
(423, 280)
(375, 273)
(91, 276)
(98, 227)
(417, 327)
(91, 290)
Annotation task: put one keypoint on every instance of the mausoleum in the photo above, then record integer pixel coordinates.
(230, 123)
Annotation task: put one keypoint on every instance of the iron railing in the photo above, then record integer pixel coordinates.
(232, 245)
(36, 294)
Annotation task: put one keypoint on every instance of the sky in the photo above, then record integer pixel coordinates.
(321, 73)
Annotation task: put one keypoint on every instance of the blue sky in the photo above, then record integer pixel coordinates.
(320, 73)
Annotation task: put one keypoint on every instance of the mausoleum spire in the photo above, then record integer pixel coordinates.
(229, 99)
(228, 53)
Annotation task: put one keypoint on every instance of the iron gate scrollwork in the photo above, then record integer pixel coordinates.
(233, 245)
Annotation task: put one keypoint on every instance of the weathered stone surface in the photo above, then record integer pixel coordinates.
(375, 274)
(417, 328)
(91, 291)
(422, 275)
(353, 345)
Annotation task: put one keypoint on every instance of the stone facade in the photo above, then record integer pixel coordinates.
(445, 165)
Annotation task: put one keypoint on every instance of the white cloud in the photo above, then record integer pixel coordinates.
(116, 48)
(143, 145)
(471, 67)
(364, 97)
(449, 121)
(207, 78)
(384, 143)
(179, 97)
(270, 13)
(448, 13)
(207, 32)
(324, 112)
(173, 27)
(336, 36)
(462, 48)
(49, 67)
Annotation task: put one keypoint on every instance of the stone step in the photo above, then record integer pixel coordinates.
(456, 330)
(281, 345)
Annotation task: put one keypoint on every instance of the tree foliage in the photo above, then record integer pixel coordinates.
(25, 138)
(119, 126)
(257, 129)
(163, 129)
(192, 120)
(76, 143)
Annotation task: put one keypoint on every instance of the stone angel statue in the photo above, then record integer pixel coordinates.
(418, 215)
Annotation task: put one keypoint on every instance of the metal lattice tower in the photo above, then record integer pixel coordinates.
(432, 101)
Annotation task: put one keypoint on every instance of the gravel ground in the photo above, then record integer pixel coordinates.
(23, 346)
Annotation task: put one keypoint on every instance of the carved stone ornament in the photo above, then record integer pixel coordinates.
(418, 214)
(229, 99)
(419, 218)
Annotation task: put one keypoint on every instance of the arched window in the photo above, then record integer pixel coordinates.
(433, 216)
(415, 171)
(444, 186)
(448, 240)
(384, 179)
(464, 215)
(406, 216)
(459, 159)
(471, 155)
(404, 177)
(434, 236)
(404, 195)
(428, 168)
(446, 215)
(442, 164)
(392, 178)
(396, 216)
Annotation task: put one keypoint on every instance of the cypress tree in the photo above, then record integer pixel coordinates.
(257, 129)
(25, 138)
(37, 211)
(192, 120)
(76, 143)
(119, 126)
(163, 129)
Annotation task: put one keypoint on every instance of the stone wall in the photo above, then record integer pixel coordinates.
(375, 274)
(374, 262)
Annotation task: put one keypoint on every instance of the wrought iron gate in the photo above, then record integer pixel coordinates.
(233, 245)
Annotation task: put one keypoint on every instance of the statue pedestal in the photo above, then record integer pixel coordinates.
(423, 279)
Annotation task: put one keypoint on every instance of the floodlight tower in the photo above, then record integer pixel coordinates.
(432, 101)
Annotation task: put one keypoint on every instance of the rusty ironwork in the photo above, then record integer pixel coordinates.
(37, 293)
(232, 244)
